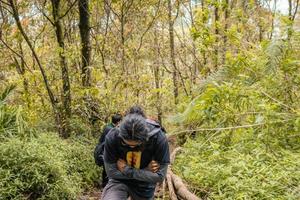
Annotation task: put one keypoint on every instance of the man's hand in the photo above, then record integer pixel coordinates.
(121, 164)
(153, 166)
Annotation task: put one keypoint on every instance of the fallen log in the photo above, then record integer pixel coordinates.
(180, 189)
(172, 193)
(173, 154)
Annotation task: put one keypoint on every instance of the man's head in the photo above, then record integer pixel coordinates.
(133, 130)
(136, 110)
(116, 118)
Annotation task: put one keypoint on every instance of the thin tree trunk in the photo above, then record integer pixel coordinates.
(226, 15)
(53, 99)
(216, 49)
(272, 23)
(122, 27)
(289, 34)
(84, 28)
(194, 50)
(21, 71)
(66, 96)
(172, 52)
(203, 22)
(292, 17)
(103, 45)
(157, 77)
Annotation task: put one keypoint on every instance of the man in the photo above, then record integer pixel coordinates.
(115, 120)
(136, 110)
(136, 157)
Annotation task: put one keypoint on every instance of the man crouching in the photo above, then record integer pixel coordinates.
(136, 157)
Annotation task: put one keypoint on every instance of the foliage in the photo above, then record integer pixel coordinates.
(45, 167)
(247, 169)
(255, 101)
(12, 121)
(236, 64)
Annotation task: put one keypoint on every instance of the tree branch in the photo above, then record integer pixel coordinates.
(71, 6)
(229, 128)
(44, 14)
(149, 26)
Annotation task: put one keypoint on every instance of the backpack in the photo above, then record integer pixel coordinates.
(99, 150)
(99, 154)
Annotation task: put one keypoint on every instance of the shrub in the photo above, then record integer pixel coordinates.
(45, 167)
(12, 121)
(260, 161)
(246, 170)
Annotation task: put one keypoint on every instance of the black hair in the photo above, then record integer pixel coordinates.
(134, 127)
(116, 118)
(136, 110)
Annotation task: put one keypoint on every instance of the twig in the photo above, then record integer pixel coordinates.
(149, 26)
(43, 13)
(277, 101)
(228, 128)
(71, 6)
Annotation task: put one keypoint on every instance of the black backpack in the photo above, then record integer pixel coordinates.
(99, 150)
(99, 154)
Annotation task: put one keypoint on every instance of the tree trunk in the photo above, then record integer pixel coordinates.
(195, 66)
(203, 22)
(216, 49)
(53, 99)
(226, 15)
(84, 28)
(66, 96)
(21, 71)
(172, 52)
(292, 16)
(157, 77)
(122, 31)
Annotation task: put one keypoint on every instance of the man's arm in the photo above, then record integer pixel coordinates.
(113, 172)
(111, 156)
(146, 175)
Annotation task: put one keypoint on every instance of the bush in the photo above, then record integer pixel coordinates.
(12, 121)
(45, 167)
(258, 92)
(246, 170)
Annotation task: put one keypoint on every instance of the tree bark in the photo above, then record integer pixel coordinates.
(180, 188)
(203, 22)
(216, 49)
(84, 28)
(157, 77)
(292, 16)
(172, 52)
(195, 69)
(172, 193)
(226, 15)
(66, 96)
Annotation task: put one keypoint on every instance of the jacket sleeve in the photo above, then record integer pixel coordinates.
(113, 172)
(146, 175)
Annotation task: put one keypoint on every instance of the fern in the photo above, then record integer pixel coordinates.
(275, 54)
